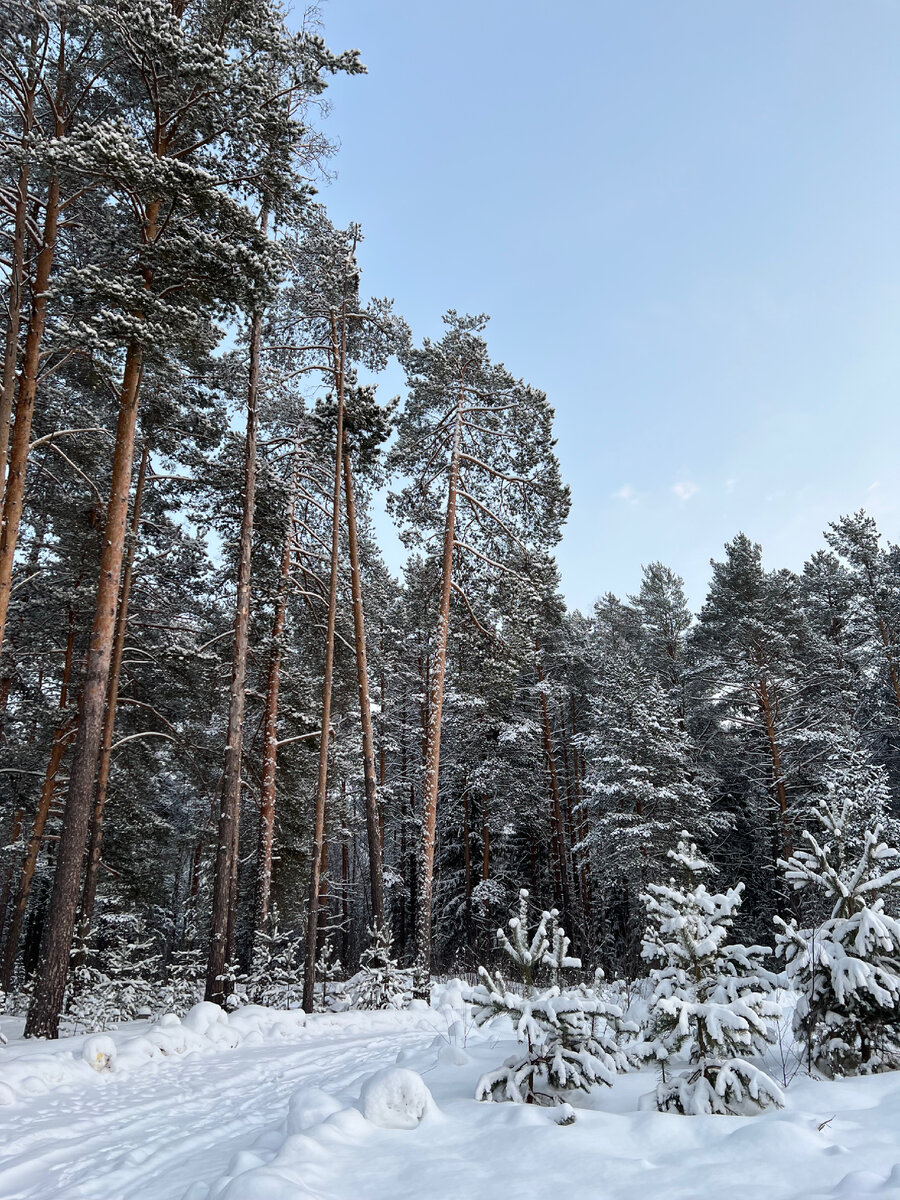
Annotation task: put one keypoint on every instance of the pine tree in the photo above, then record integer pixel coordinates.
(276, 972)
(847, 968)
(711, 998)
(477, 447)
(380, 982)
(642, 788)
(568, 1034)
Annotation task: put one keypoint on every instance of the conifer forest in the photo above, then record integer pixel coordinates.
(252, 770)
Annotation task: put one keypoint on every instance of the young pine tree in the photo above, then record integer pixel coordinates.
(847, 969)
(568, 1035)
(711, 998)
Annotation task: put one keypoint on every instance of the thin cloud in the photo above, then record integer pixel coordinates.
(627, 493)
(684, 489)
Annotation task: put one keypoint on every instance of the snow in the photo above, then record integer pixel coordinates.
(284, 1109)
(395, 1098)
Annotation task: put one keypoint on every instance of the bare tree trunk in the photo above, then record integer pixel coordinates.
(14, 495)
(376, 870)
(10, 871)
(433, 733)
(270, 720)
(50, 983)
(317, 866)
(558, 834)
(467, 864)
(62, 738)
(16, 271)
(112, 699)
(14, 319)
(224, 896)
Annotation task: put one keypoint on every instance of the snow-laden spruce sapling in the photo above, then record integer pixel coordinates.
(275, 978)
(847, 969)
(711, 998)
(380, 983)
(567, 1034)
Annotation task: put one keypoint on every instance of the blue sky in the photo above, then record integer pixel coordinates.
(683, 219)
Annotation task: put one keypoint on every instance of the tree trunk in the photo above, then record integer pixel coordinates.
(14, 495)
(50, 983)
(270, 720)
(467, 865)
(112, 699)
(224, 889)
(433, 732)
(14, 318)
(10, 872)
(61, 740)
(558, 835)
(376, 871)
(316, 866)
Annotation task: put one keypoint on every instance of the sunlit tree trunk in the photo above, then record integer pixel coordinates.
(270, 719)
(339, 340)
(433, 731)
(224, 888)
(376, 873)
(112, 699)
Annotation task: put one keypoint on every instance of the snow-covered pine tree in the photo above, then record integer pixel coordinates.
(847, 969)
(712, 1000)
(328, 968)
(380, 982)
(117, 975)
(568, 1034)
(275, 977)
(641, 790)
(476, 446)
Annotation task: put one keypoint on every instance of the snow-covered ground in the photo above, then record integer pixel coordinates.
(267, 1107)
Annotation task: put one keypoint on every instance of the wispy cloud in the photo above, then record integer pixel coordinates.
(627, 493)
(685, 489)
(730, 485)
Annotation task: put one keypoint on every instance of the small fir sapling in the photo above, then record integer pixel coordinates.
(847, 969)
(276, 971)
(118, 981)
(328, 968)
(711, 999)
(568, 1034)
(380, 983)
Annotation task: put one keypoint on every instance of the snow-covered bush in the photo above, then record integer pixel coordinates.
(275, 978)
(568, 1034)
(328, 969)
(185, 978)
(847, 969)
(115, 976)
(380, 982)
(711, 999)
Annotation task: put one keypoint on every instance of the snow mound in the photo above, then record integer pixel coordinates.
(395, 1098)
(203, 1017)
(309, 1106)
(36, 1067)
(100, 1052)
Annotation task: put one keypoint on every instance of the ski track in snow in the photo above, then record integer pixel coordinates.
(151, 1135)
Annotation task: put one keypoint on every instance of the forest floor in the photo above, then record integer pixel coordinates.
(265, 1107)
